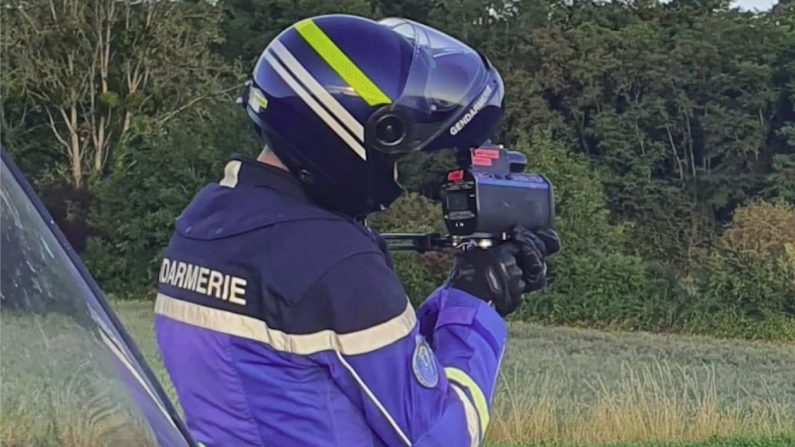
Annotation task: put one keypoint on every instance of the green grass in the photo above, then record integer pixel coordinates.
(560, 387)
(58, 388)
(583, 387)
(772, 441)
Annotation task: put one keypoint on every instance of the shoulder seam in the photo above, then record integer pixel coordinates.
(270, 225)
(331, 267)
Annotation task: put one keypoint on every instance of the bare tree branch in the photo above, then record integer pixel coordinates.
(191, 103)
(54, 129)
(95, 66)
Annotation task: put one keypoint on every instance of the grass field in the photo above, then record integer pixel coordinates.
(582, 387)
(59, 388)
(559, 387)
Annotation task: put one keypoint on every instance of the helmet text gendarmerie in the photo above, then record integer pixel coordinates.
(476, 107)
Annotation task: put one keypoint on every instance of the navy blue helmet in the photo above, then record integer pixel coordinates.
(340, 98)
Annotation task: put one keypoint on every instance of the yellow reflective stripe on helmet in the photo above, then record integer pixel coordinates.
(341, 63)
(482, 408)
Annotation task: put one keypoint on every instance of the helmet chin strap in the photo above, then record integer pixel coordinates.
(373, 179)
(369, 184)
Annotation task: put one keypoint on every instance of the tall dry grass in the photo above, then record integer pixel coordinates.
(657, 402)
(587, 387)
(64, 415)
(71, 428)
(558, 385)
(60, 387)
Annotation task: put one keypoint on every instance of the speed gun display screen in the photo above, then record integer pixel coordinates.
(457, 201)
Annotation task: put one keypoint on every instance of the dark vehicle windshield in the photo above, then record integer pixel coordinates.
(70, 377)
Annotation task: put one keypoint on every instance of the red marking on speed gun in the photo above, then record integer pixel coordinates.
(481, 161)
(455, 176)
(487, 153)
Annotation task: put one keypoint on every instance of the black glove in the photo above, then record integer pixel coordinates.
(491, 274)
(501, 274)
(534, 248)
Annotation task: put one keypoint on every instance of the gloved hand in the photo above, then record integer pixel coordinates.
(491, 274)
(534, 249)
(500, 274)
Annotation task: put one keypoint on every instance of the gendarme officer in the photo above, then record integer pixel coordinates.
(278, 316)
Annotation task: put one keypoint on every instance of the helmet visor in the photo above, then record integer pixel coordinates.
(444, 78)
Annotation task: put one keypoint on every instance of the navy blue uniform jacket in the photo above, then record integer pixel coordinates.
(282, 324)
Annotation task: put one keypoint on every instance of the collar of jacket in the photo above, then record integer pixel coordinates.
(242, 171)
(247, 172)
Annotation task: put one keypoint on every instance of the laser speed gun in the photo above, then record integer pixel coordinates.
(483, 199)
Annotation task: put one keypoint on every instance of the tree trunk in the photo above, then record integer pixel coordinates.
(75, 155)
(677, 160)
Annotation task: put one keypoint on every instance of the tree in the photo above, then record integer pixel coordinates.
(151, 181)
(781, 179)
(249, 25)
(681, 104)
(93, 70)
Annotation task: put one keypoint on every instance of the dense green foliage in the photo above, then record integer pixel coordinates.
(150, 181)
(656, 121)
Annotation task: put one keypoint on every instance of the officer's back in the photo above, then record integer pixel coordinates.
(240, 271)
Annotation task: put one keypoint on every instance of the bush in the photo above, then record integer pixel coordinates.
(419, 273)
(610, 289)
(763, 228)
(747, 284)
(591, 280)
(580, 201)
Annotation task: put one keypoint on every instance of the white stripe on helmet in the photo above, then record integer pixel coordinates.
(310, 101)
(322, 95)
